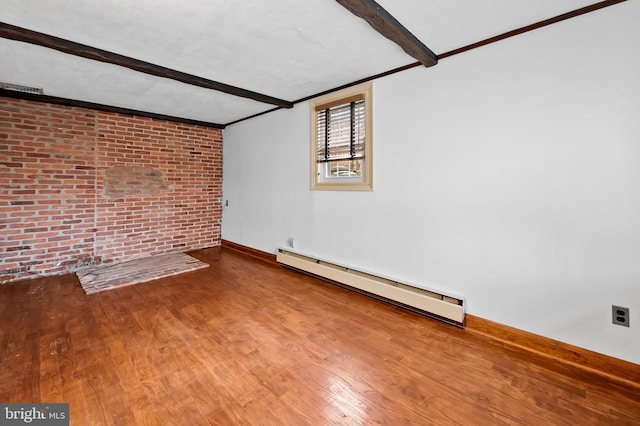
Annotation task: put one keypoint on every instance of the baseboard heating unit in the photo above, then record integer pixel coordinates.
(444, 307)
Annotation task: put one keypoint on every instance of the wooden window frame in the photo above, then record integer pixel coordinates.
(364, 182)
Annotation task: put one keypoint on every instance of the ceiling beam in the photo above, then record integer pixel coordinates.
(384, 23)
(33, 37)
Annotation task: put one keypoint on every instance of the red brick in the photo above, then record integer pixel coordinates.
(57, 161)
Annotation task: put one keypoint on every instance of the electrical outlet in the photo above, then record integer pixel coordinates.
(620, 315)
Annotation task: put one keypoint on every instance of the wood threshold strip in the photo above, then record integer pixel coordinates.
(13, 32)
(102, 107)
(625, 373)
(385, 24)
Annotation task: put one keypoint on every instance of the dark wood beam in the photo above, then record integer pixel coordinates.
(101, 107)
(383, 22)
(28, 36)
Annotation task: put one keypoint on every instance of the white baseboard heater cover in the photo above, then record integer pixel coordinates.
(447, 308)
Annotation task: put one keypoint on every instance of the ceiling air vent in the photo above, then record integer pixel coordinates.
(19, 88)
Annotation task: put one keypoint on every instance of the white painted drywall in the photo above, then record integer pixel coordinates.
(509, 175)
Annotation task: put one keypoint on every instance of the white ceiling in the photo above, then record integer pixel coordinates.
(288, 49)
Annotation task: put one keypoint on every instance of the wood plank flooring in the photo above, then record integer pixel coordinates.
(247, 342)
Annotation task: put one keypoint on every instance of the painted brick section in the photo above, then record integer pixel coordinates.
(55, 215)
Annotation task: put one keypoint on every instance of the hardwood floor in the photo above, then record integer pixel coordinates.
(247, 342)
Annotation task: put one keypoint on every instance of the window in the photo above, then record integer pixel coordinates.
(341, 140)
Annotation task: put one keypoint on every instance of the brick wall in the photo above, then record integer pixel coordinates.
(80, 187)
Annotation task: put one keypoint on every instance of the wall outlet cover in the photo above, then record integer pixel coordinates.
(620, 315)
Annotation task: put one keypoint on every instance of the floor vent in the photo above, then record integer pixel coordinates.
(446, 308)
(19, 88)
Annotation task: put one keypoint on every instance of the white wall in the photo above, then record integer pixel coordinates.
(509, 174)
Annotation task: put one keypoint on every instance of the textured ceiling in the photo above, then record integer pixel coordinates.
(289, 49)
